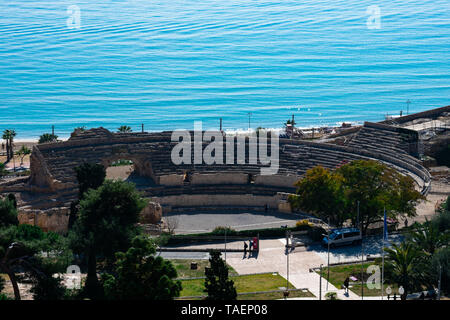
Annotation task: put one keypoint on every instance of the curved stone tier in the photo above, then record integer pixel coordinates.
(52, 168)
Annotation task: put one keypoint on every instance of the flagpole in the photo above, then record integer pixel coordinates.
(382, 270)
(360, 225)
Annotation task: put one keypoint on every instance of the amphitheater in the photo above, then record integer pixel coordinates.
(44, 197)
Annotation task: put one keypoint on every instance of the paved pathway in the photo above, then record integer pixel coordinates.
(272, 258)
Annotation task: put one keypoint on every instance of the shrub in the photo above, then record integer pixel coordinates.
(443, 156)
(316, 233)
(2, 169)
(220, 230)
(302, 223)
(331, 296)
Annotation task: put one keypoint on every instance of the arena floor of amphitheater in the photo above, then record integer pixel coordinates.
(198, 222)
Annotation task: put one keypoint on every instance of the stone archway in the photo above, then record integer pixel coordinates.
(142, 165)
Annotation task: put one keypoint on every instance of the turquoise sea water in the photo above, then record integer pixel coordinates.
(168, 63)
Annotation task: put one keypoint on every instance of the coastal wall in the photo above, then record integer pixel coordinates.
(434, 113)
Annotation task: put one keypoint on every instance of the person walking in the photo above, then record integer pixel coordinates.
(245, 249)
(346, 283)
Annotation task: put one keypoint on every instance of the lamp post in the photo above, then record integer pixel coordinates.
(13, 156)
(225, 245)
(287, 260)
(362, 255)
(320, 283)
(439, 283)
(249, 116)
(328, 262)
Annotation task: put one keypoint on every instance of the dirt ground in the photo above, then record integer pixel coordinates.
(120, 172)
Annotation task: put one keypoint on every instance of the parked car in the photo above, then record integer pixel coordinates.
(343, 236)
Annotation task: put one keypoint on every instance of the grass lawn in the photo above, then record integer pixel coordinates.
(275, 295)
(246, 283)
(183, 267)
(339, 273)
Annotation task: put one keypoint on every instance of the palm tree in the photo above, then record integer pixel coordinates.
(23, 151)
(47, 137)
(8, 136)
(82, 128)
(125, 129)
(403, 263)
(427, 238)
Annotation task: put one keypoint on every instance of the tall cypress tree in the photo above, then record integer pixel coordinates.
(217, 284)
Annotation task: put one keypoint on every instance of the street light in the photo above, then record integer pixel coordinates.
(225, 245)
(287, 261)
(439, 284)
(320, 283)
(328, 263)
(249, 115)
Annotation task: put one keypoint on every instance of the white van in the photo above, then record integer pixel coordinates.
(344, 236)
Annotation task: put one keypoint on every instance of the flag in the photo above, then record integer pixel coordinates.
(385, 229)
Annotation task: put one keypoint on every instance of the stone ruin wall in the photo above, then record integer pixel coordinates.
(52, 173)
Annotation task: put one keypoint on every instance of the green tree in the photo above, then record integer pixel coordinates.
(377, 187)
(2, 169)
(106, 224)
(124, 129)
(23, 151)
(44, 285)
(335, 194)
(139, 275)
(442, 220)
(47, 137)
(217, 284)
(403, 265)
(82, 129)
(321, 192)
(89, 176)
(8, 213)
(13, 199)
(443, 156)
(22, 248)
(427, 238)
(440, 263)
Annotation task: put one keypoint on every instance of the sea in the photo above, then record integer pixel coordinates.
(251, 63)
